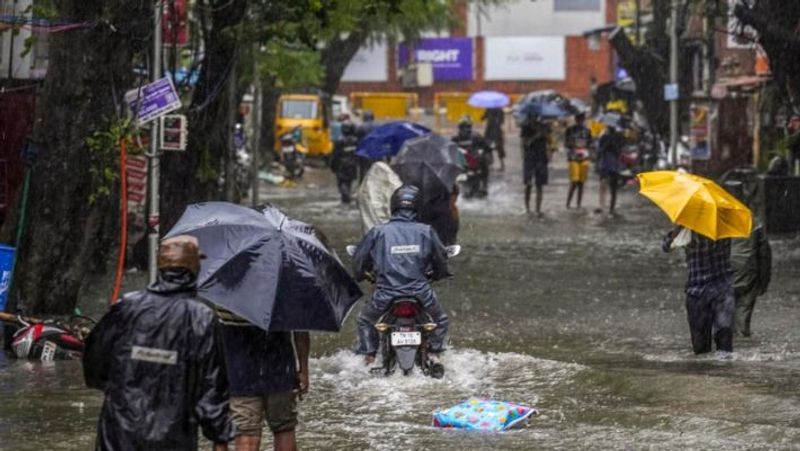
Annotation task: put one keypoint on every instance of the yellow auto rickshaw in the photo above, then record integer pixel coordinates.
(309, 113)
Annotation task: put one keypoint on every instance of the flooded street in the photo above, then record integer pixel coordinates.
(580, 315)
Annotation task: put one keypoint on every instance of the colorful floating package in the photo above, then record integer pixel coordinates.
(483, 415)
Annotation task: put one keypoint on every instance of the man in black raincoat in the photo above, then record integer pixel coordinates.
(156, 356)
(344, 162)
(402, 255)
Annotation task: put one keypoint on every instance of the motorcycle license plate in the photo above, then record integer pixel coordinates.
(406, 338)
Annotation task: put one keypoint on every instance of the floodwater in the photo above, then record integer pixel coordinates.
(577, 314)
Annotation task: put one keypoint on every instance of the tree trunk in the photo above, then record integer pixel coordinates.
(68, 222)
(269, 101)
(194, 176)
(336, 56)
(647, 70)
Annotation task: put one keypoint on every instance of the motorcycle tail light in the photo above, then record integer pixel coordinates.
(382, 327)
(405, 310)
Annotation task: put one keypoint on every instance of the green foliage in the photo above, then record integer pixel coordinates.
(103, 148)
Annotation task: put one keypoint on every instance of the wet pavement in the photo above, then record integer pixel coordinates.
(578, 314)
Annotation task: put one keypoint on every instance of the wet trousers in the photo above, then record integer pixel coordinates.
(368, 337)
(710, 313)
(345, 186)
(745, 301)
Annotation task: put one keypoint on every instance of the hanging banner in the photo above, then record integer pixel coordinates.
(451, 58)
(525, 58)
(368, 64)
(700, 132)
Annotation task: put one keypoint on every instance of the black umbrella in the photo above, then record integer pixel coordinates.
(430, 162)
(278, 278)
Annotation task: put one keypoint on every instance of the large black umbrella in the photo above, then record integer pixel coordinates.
(430, 162)
(266, 273)
(433, 163)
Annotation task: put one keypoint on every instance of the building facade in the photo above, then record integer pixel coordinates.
(515, 47)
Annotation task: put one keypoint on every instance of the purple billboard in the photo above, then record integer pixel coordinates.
(451, 58)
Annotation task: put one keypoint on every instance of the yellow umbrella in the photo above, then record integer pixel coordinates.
(697, 203)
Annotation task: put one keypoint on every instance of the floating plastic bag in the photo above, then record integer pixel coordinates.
(483, 415)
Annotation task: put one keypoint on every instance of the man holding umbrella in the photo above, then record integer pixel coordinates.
(273, 279)
(707, 217)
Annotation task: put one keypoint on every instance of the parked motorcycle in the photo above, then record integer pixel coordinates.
(404, 332)
(293, 156)
(48, 340)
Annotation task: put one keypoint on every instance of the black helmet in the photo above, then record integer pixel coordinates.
(407, 197)
(465, 124)
(348, 128)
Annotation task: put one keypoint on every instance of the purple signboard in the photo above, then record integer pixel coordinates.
(153, 100)
(451, 58)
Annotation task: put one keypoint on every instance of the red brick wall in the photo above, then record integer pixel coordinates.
(582, 64)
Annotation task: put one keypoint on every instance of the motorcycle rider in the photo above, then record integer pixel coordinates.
(578, 139)
(344, 162)
(291, 156)
(473, 143)
(404, 256)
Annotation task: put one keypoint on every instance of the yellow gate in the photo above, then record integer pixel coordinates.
(385, 105)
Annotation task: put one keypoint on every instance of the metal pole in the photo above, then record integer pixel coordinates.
(673, 79)
(154, 172)
(638, 22)
(256, 141)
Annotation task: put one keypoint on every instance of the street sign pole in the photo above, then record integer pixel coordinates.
(673, 79)
(154, 172)
(256, 139)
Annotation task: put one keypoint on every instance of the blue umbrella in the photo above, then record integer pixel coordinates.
(387, 139)
(545, 110)
(273, 272)
(488, 99)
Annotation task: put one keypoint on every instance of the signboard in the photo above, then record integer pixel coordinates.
(136, 175)
(368, 64)
(153, 100)
(173, 132)
(671, 92)
(451, 58)
(525, 58)
(699, 132)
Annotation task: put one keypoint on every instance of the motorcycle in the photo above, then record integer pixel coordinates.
(48, 340)
(293, 156)
(404, 333)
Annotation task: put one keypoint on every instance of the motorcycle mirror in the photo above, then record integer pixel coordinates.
(453, 250)
(351, 250)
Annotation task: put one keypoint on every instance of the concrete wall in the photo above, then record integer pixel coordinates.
(534, 18)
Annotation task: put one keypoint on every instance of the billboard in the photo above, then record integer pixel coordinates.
(525, 58)
(368, 64)
(451, 58)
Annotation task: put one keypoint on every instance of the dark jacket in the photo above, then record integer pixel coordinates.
(472, 143)
(609, 149)
(344, 161)
(399, 254)
(156, 356)
(751, 260)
